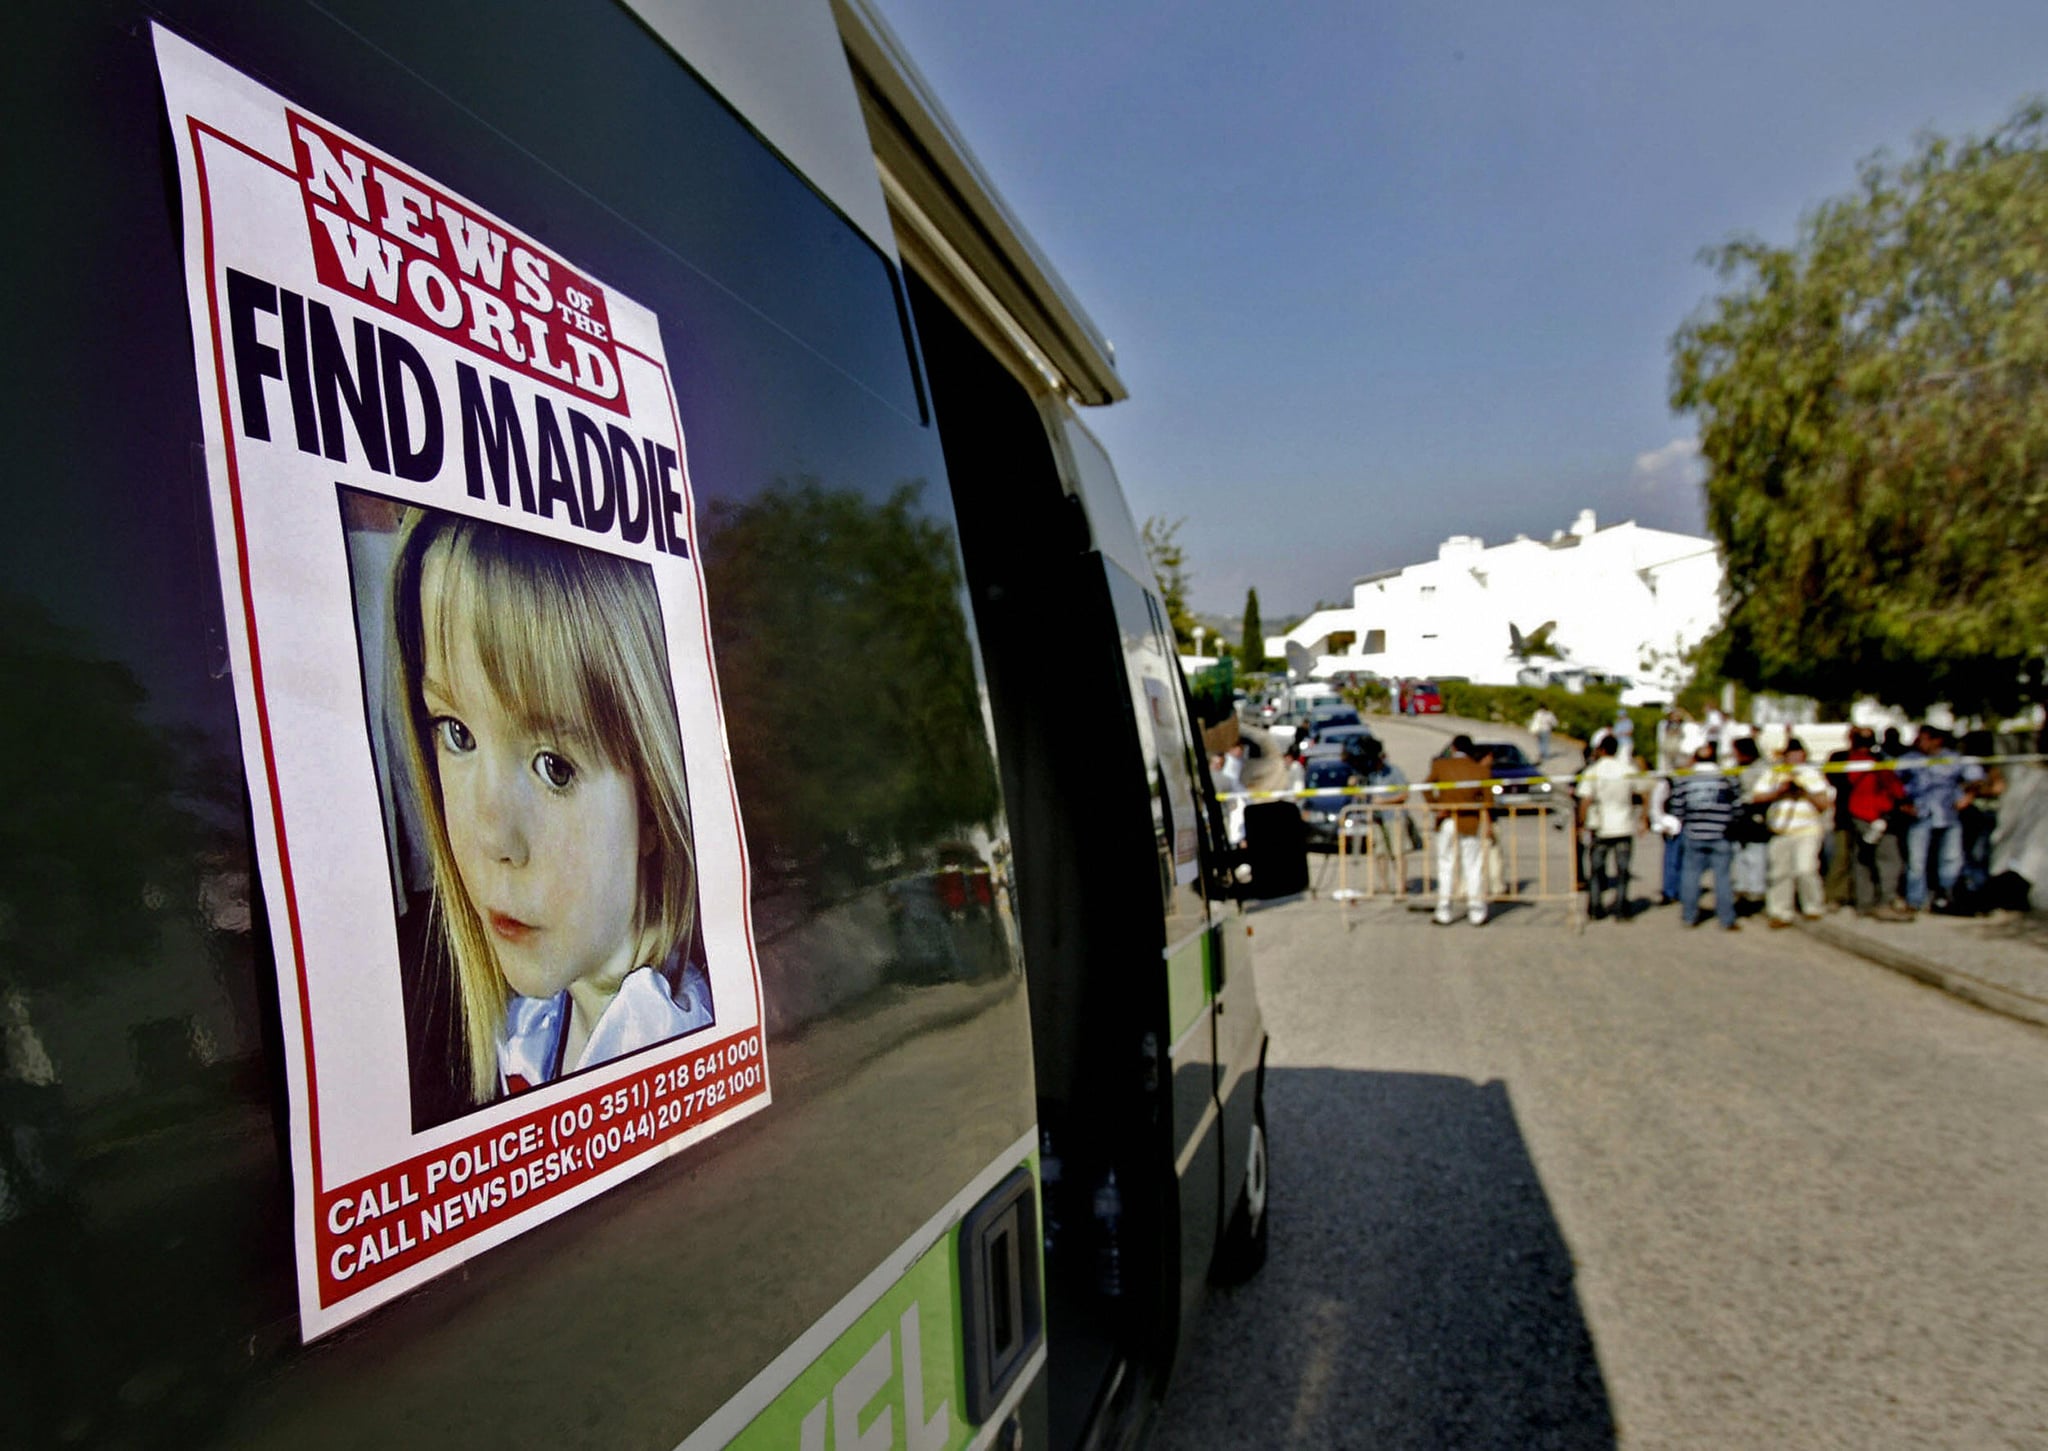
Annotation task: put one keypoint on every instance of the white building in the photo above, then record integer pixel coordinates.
(1626, 601)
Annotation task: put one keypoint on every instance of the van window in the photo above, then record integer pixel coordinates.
(1169, 754)
(861, 759)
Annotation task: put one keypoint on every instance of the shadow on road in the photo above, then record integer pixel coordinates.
(1418, 1294)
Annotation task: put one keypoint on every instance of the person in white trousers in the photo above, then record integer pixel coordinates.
(1458, 801)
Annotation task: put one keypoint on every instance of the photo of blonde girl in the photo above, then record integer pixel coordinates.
(542, 765)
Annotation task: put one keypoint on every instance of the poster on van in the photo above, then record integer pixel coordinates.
(496, 827)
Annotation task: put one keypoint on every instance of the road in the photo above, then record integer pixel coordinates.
(1637, 1185)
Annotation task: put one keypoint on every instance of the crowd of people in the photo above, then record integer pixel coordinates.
(1885, 827)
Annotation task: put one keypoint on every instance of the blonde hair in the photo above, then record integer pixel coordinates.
(571, 640)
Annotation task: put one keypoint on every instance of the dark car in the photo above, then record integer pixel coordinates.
(1518, 781)
(1326, 718)
(1328, 775)
(1338, 740)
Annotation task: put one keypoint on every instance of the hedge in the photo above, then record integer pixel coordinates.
(1579, 713)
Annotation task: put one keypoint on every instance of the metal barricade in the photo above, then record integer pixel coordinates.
(1531, 853)
(1386, 838)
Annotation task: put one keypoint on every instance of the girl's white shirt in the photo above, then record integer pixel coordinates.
(643, 1013)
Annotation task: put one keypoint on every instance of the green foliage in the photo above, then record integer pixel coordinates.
(107, 837)
(1253, 655)
(855, 715)
(1369, 698)
(1873, 408)
(1647, 720)
(1213, 692)
(1578, 714)
(1701, 691)
(1161, 538)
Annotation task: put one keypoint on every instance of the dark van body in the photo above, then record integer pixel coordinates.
(1005, 986)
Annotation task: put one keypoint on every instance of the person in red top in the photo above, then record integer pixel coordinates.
(1874, 795)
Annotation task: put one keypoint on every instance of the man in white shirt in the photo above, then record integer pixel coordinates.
(1801, 807)
(1607, 798)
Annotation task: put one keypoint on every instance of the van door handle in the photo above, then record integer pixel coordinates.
(1002, 1306)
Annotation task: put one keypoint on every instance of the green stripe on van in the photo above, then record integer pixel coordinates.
(1187, 984)
(896, 1377)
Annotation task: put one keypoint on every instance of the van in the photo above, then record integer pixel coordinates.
(552, 899)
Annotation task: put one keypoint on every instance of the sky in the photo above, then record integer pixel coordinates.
(1377, 274)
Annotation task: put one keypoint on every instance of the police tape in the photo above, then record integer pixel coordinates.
(1547, 784)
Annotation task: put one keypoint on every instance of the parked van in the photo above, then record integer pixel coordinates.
(548, 901)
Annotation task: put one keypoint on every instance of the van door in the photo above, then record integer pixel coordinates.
(1237, 1028)
(1176, 777)
(1237, 1033)
(1240, 1047)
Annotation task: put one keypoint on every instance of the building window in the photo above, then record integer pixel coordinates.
(1428, 593)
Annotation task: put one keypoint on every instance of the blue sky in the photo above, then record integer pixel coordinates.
(1377, 274)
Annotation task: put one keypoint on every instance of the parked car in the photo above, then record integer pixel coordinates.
(1320, 813)
(1326, 718)
(1351, 679)
(1637, 695)
(1421, 697)
(1336, 740)
(1518, 781)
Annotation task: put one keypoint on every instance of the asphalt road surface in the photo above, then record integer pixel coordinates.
(1639, 1186)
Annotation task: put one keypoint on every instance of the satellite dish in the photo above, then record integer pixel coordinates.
(1299, 661)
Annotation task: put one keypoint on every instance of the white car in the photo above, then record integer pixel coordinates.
(1635, 694)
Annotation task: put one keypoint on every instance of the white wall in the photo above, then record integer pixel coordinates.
(1619, 595)
(1312, 634)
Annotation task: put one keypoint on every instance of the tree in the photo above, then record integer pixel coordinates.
(1254, 652)
(1160, 536)
(1873, 410)
(854, 711)
(118, 819)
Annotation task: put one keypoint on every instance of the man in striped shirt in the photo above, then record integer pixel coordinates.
(1705, 802)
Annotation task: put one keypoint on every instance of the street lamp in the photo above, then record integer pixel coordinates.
(1200, 631)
